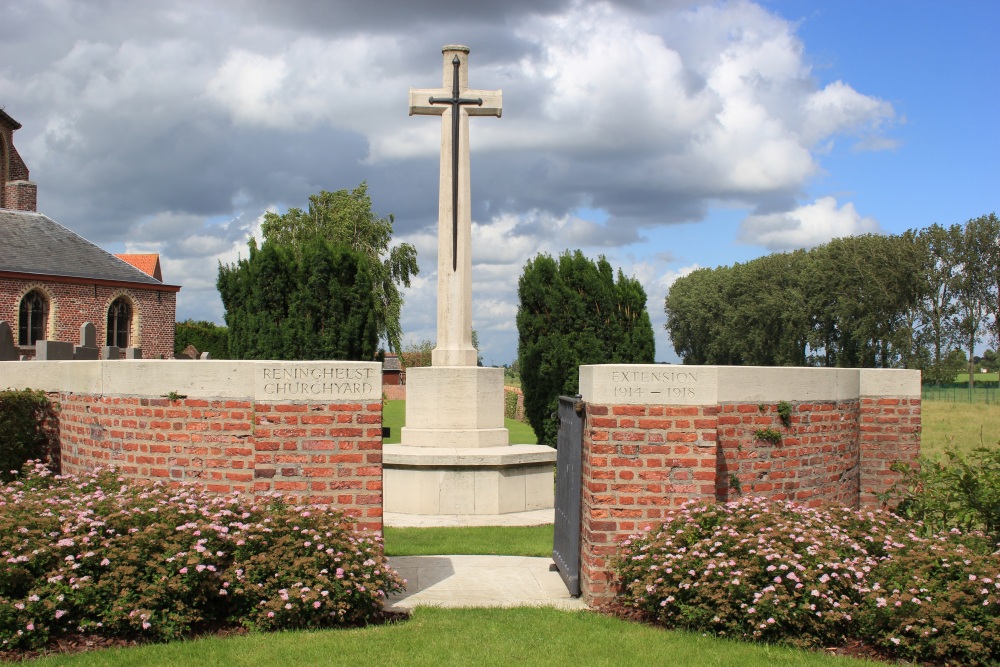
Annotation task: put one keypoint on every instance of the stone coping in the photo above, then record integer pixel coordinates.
(664, 384)
(462, 457)
(260, 381)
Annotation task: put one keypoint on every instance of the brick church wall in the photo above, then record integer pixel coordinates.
(644, 455)
(73, 304)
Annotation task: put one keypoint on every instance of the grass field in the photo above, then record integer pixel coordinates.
(472, 541)
(958, 426)
(394, 416)
(482, 637)
(980, 377)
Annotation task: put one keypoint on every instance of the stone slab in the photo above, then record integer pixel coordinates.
(508, 455)
(468, 481)
(480, 581)
(263, 381)
(659, 384)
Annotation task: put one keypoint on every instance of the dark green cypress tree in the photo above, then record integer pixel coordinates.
(573, 312)
(313, 301)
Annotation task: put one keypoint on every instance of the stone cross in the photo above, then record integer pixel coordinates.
(455, 102)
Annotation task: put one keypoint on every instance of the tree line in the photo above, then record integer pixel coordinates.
(922, 299)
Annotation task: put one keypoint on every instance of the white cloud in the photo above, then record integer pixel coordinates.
(805, 226)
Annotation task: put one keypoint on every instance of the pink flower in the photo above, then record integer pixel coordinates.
(317, 604)
(270, 614)
(183, 570)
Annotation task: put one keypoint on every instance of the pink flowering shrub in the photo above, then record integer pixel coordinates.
(96, 553)
(776, 572)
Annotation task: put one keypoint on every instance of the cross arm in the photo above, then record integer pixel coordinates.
(419, 104)
(492, 102)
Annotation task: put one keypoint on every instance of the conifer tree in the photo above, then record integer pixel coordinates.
(574, 312)
(313, 302)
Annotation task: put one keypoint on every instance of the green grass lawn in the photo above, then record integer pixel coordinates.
(481, 637)
(394, 416)
(958, 426)
(474, 540)
(980, 377)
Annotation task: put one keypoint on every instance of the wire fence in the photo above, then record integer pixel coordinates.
(983, 392)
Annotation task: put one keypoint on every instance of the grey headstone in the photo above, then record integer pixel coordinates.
(8, 351)
(53, 350)
(206, 355)
(88, 335)
(133, 353)
(81, 353)
(111, 352)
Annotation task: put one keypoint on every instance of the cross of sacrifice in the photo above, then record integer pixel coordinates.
(455, 102)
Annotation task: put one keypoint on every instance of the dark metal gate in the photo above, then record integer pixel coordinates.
(566, 542)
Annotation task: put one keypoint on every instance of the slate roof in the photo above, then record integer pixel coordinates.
(147, 262)
(34, 243)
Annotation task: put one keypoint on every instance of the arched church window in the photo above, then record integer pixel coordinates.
(33, 318)
(120, 322)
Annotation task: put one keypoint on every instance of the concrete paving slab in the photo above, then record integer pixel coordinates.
(480, 581)
(531, 518)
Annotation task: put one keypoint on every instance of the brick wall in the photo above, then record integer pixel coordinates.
(71, 305)
(641, 458)
(639, 461)
(324, 453)
(889, 432)
(815, 462)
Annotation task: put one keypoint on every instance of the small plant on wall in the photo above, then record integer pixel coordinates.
(768, 434)
(785, 413)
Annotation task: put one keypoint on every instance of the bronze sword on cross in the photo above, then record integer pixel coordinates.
(456, 100)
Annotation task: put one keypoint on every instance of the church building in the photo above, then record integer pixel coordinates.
(52, 280)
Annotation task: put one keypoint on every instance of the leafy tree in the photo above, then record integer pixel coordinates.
(936, 311)
(847, 303)
(573, 311)
(973, 298)
(345, 218)
(205, 336)
(313, 301)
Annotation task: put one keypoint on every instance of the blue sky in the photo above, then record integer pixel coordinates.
(667, 135)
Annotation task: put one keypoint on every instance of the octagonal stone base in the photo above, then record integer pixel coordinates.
(469, 480)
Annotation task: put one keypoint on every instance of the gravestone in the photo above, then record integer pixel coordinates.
(53, 350)
(8, 350)
(454, 455)
(110, 352)
(133, 353)
(205, 356)
(87, 350)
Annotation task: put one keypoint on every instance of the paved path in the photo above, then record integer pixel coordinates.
(480, 581)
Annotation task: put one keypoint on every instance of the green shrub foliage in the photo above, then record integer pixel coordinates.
(310, 302)
(573, 311)
(205, 336)
(97, 554)
(770, 571)
(28, 430)
(962, 491)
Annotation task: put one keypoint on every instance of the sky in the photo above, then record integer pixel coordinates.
(665, 135)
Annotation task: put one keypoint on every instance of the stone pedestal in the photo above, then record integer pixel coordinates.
(454, 406)
(454, 456)
(477, 481)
